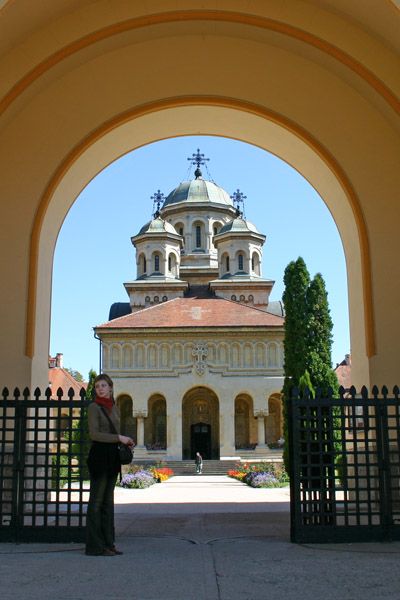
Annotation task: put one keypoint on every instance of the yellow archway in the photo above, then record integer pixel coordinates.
(186, 116)
(316, 87)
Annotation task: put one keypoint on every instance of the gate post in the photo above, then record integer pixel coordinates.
(383, 457)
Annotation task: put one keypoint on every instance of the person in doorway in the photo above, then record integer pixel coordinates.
(199, 463)
(104, 466)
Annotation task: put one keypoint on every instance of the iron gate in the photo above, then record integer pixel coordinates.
(345, 467)
(43, 473)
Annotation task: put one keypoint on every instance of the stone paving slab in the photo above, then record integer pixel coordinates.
(197, 550)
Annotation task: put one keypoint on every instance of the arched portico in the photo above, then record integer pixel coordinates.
(128, 422)
(336, 124)
(200, 423)
(274, 420)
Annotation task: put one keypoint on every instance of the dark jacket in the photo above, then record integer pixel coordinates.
(103, 454)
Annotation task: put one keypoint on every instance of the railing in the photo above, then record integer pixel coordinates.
(345, 466)
(43, 473)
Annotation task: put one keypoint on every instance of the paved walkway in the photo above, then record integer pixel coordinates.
(202, 538)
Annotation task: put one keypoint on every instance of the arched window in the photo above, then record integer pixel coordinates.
(169, 263)
(227, 264)
(180, 231)
(252, 263)
(198, 236)
(144, 265)
(156, 263)
(240, 259)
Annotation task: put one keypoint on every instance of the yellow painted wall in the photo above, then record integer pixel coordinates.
(315, 82)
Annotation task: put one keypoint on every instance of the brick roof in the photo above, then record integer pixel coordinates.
(195, 312)
(343, 373)
(60, 378)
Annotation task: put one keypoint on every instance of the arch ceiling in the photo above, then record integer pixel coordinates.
(319, 79)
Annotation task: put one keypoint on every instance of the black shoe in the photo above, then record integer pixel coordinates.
(116, 552)
(106, 552)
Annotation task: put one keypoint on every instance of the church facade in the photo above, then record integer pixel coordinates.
(197, 354)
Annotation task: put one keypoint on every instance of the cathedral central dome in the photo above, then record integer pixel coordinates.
(198, 191)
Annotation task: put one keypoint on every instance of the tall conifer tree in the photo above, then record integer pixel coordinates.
(319, 337)
(308, 336)
(296, 280)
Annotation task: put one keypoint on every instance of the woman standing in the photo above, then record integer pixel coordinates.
(104, 466)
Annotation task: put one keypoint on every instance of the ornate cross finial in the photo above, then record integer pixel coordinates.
(238, 199)
(198, 159)
(158, 198)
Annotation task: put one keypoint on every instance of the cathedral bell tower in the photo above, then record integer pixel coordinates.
(158, 251)
(239, 245)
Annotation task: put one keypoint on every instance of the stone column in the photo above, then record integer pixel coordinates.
(140, 432)
(174, 430)
(140, 449)
(226, 425)
(208, 241)
(249, 270)
(261, 414)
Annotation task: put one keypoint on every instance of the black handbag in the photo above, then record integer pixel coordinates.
(125, 453)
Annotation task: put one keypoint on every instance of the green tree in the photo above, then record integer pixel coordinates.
(308, 337)
(319, 337)
(75, 374)
(296, 280)
(80, 440)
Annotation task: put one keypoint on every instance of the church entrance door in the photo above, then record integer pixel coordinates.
(200, 424)
(200, 440)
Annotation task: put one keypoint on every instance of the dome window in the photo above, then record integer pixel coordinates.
(169, 263)
(240, 259)
(233, 297)
(144, 265)
(227, 264)
(198, 236)
(156, 263)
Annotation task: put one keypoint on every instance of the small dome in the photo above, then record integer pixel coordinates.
(238, 225)
(198, 191)
(157, 225)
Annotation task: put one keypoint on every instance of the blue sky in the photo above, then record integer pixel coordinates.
(94, 255)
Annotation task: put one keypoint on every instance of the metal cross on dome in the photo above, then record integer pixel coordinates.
(198, 159)
(158, 199)
(238, 199)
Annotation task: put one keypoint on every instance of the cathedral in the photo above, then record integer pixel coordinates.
(196, 355)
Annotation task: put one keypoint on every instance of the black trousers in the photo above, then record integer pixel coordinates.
(100, 514)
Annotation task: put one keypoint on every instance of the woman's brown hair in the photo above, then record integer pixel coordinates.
(103, 377)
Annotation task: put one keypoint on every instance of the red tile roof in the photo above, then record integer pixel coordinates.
(60, 378)
(195, 312)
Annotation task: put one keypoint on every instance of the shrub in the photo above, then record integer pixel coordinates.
(138, 480)
(161, 474)
(60, 469)
(273, 474)
(261, 480)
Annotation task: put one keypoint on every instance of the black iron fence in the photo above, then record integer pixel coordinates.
(345, 466)
(43, 473)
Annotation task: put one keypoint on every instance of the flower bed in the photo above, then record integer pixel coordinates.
(141, 478)
(260, 475)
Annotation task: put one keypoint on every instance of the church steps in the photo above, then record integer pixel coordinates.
(210, 467)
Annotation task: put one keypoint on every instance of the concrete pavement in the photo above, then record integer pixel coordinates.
(202, 538)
